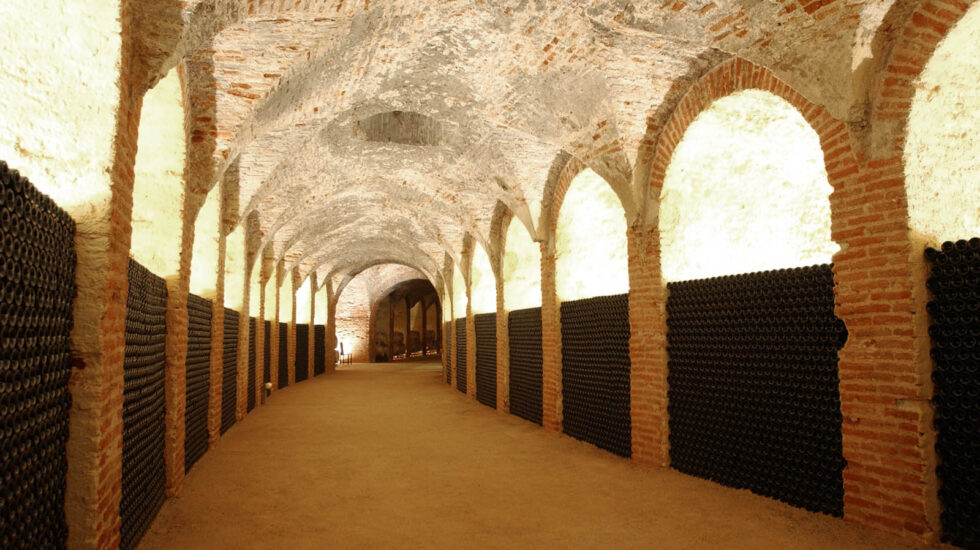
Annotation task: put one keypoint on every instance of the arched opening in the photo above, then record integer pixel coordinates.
(746, 193)
(942, 144)
(521, 269)
(353, 318)
(303, 310)
(204, 262)
(590, 241)
(158, 188)
(235, 269)
(483, 285)
(592, 284)
(403, 316)
(942, 178)
(746, 190)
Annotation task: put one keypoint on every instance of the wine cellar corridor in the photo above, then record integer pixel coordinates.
(417, 274)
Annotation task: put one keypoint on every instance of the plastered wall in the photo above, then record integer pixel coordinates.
(942, 148)
(483, 290)
(590, 241)
(204, 263)
(746, 190)
(521, 269)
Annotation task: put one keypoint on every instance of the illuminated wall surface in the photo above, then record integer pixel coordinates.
(353, 318)
(235, 269)
(483, 289)
(746, 190)
(303, 302)
(447, 313)
(590, 241)
(286, 300)
(270, 300)
(942, 147)
(459, 294)
(204, 263)
(60, 133)
(521, 269)
(159, 185)
(254, 292)
(320, 315)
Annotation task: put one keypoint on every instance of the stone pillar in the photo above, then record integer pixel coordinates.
(648, 349)
(470, 342)
(311, 341)
(550, 343)
(425, 315)
(503, 344)
(217, 346)
(331, 328)
(291, 331)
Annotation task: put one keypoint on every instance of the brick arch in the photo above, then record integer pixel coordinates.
(884, 389)
(913, 47)
(736, 75)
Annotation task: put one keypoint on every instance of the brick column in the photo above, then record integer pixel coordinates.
(311, 349)
(260, 342)
(503, 345)
(175, 375)
(408, 326)
(331, 328)
(217, 346)
(241, 380)
(470, 343)
(551, 416)
(291, 331)
(648, 349)
(274, 355)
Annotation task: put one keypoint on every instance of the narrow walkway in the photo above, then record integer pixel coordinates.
(388, 456)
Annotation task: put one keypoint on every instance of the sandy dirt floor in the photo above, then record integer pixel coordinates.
(388, 456)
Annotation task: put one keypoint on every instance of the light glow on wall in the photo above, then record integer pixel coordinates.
(942, 148)
(270, 299)
(303, 302)
(235, 269)
(353, 316)
(459, 294)
(59, 98)
(286, 300)
(204, 263)
(521, 269)
(158, 189)
(483, 285)
(590, 241)
(746, 190)
(320, 315)
(254, 292)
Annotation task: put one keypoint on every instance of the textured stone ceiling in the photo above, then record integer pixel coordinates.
(372, 131)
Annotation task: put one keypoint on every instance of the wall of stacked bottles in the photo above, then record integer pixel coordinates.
(37, 288)
(524, 328)
(753, 384)
(229, 370)
(319, 349)
(955, 330)
(250, 392)
(486, 359)
(595, 370)
(198, 377)
(302, 352)
(449, 358)
(143, 470)
(461, 354)
(283, 356)
(267, 353)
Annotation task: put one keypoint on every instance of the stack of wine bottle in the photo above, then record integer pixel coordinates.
(229, 370)
(461, 354)
(595, 370)
(486, 359)
(144, 476)
(283, 355)
(267, 352)
(198, 376)
(302, 352)
(37, 288)
(955, 331)
(449, 359)
(250, 391)
(524, 328)
(319, 349)
(753, 391)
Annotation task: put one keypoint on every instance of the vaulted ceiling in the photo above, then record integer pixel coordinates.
(372, 131)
